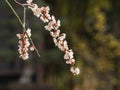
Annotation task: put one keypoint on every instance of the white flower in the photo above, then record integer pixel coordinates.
(55, 41)
(70, 61)
(23, 52)
(28, 31)
(49, 27)
(53, 19)
(20, 36)
(62, 36)
(29, 1)
(74, 70)
(35, 6)
(55, 24)
(32, 48)
(65, 45)
(23, 48)
(26, 42)
(68, 54)
(20, 42)
(36, 10)
(77, 71)
(45, 16)
(45, 9)
(62, 45)
(55, 33)
(25, 56)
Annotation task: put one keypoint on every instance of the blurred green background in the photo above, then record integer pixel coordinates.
(93, 32)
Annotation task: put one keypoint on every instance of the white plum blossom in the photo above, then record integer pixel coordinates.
(53, 19)
(32, 48)
(62, 45)
(49, 27)
(68, 54)
(70, 61)
(19, 36)
(45, 16)
(55, 33)
(24, 44)
(60, 42)
(55, 24)
(36, 10)
(29, 1)
(55, 41)
(28, 32)
(25, 56)
(23, 48)
(65, 46)
(62, 36)
(74, 70)
(42, 12)
(45, 9)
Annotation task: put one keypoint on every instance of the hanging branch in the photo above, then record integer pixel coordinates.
(20, 21)
(52, 26)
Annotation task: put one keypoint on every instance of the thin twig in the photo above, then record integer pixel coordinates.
(23, 5)
(18, 3)
(24, 17)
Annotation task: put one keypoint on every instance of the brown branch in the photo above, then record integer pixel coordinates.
(18, 3)
(23, 5)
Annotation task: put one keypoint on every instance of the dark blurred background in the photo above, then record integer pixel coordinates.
(93, 32)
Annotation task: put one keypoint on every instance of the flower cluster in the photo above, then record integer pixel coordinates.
(24, 44)
(53, 28)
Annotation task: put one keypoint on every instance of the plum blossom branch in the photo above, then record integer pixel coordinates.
(23, 26)
(53, 27)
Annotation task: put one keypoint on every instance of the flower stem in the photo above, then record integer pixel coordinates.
(23, 26)
(18, 3)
